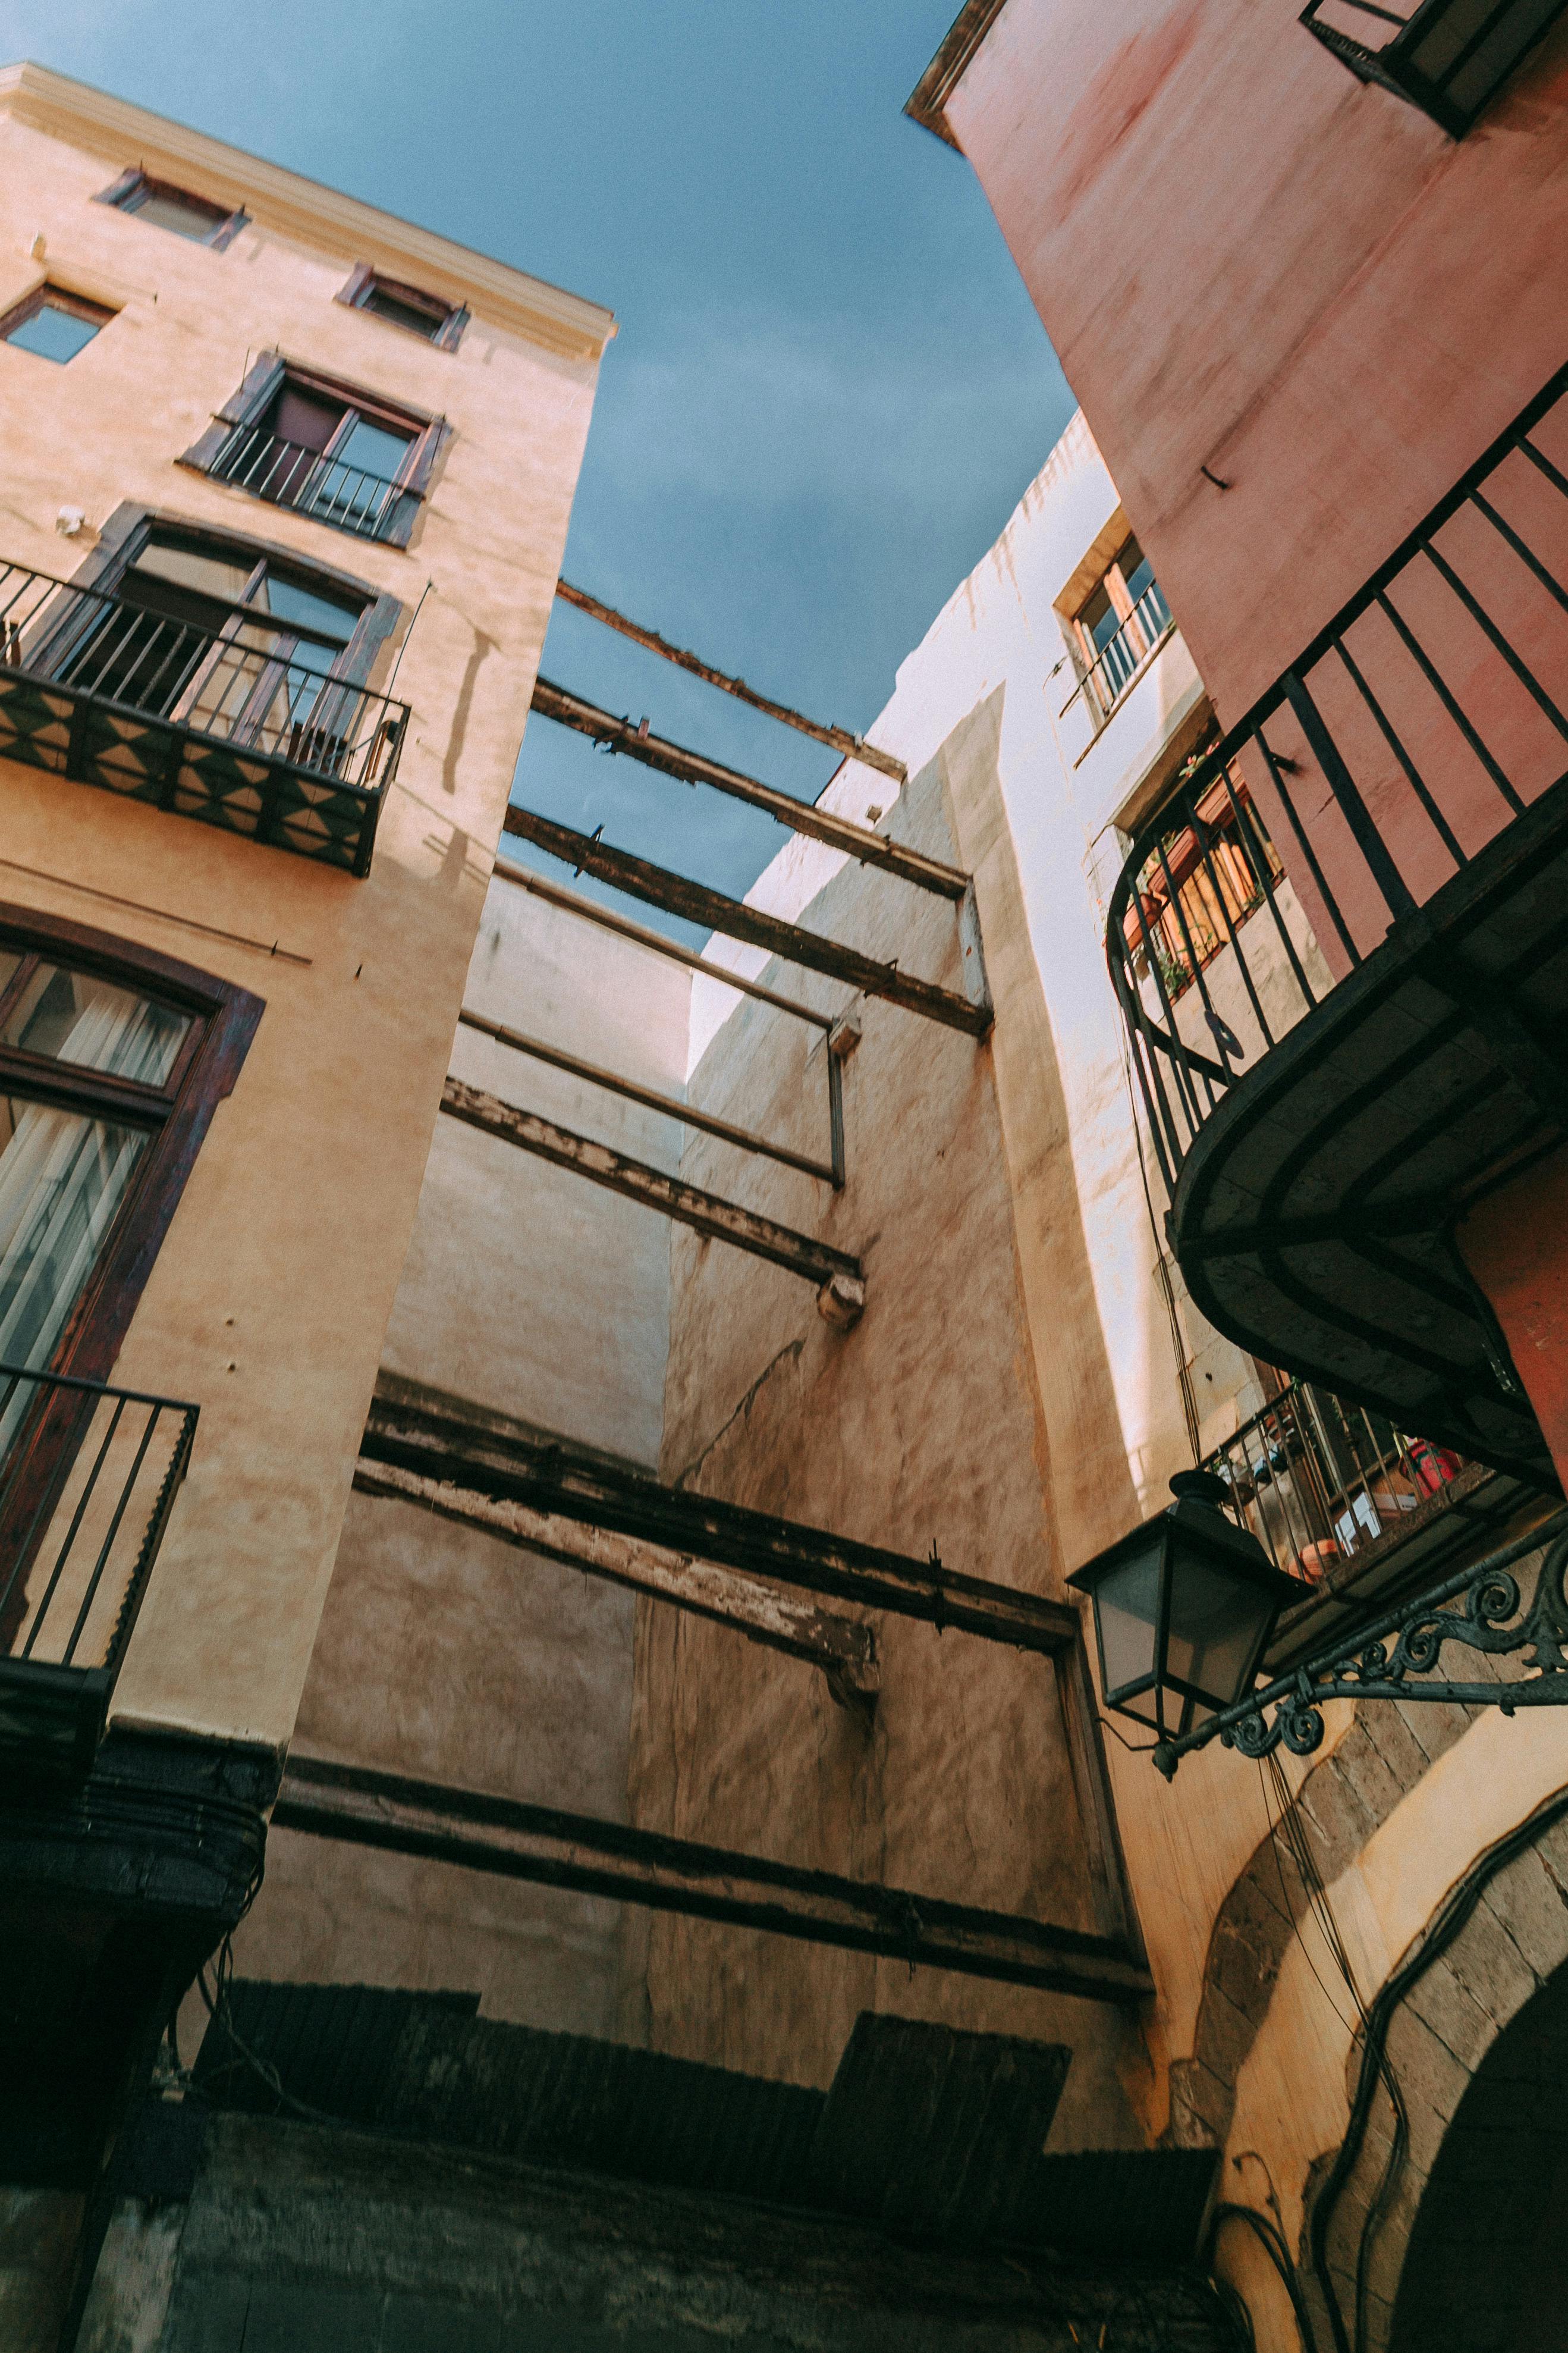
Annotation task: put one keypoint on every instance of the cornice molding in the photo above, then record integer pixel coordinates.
(928, 100)
(306, 210)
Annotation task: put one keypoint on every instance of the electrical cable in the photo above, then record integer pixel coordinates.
(219, 2010)
(1328, 1929)
(1278, 2253)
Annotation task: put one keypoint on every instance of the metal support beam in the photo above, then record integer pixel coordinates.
(511, 1465)
(845, 1649)
(854, 747)
(478, 1832)
(715, 913)
(671, 1105)
(503, 871)
(858, 841)
(840, 1279)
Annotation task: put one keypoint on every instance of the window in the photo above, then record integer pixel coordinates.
(429, 315)
(53, 324)
(328, 451)
(1212, 868)
(234, 643)
(111, 1060)
(155, 201)
(1118, 626)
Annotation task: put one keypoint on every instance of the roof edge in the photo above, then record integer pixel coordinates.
(287, 201)
(927, 101)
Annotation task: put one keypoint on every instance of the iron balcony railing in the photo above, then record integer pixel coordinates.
(289, 475)
(1450, 58)
(89, 1475)
(1122, 658)
(227, 726)
(1318, 1480)
(1422, 721)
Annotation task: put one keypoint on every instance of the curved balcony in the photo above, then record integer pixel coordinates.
(1342, 954)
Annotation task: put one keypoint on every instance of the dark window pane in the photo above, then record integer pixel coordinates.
(171, 208)
(308, 419)
(306, 608)
(62, 1179)
(53, 333)
(427, 324)
(1101, 619)
(75, 1017)
(372, 449)
(1136, 570)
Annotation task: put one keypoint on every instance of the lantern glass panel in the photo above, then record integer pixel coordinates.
(1218, 1621)
(1127, 1603)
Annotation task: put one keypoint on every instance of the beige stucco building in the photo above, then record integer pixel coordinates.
(618, 1582)
(305, 471)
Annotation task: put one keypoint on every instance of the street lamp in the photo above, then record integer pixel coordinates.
(1184, 1609)
(1185, 1606)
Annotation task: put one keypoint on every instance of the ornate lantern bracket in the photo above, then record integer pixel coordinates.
(1480, 1608)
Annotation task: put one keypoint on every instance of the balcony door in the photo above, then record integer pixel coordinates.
(232, 644)
(335, 460)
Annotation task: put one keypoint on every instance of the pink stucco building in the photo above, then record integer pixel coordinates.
(1305, 278)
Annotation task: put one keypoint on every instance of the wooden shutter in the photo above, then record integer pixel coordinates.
(261, 384)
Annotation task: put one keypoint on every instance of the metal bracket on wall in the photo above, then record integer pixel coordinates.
(478, 1832)
(854, 747)
(858, 841)
(845, 1649)
(469, 1465)
(506, 1465)
(840, 1280)
(658, 887)
(673, 1106)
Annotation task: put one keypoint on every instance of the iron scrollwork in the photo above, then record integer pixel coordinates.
(1480, 1608)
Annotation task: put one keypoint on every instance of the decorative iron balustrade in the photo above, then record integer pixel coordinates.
(1486, 1608)
(89, 1475)
(1122, 657)
(1317, 1479)
(214, 724)
(1429, 714)
(1450, 58)
(286, 474)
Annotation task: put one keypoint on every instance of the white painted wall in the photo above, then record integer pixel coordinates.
(1062, 788)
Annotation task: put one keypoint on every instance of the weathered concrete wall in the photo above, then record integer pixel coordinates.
(303, 2240)
(38, 2239)
(270, 1298)
(922, 1425)
(442, 1652)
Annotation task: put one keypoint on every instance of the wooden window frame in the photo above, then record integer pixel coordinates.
(50, 297)
(262, 383)
(136, 182)
(451, 317)
(177, 1114)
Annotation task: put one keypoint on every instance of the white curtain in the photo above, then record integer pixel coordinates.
(64, 1175)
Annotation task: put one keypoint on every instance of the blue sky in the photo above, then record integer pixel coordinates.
(830, 388)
